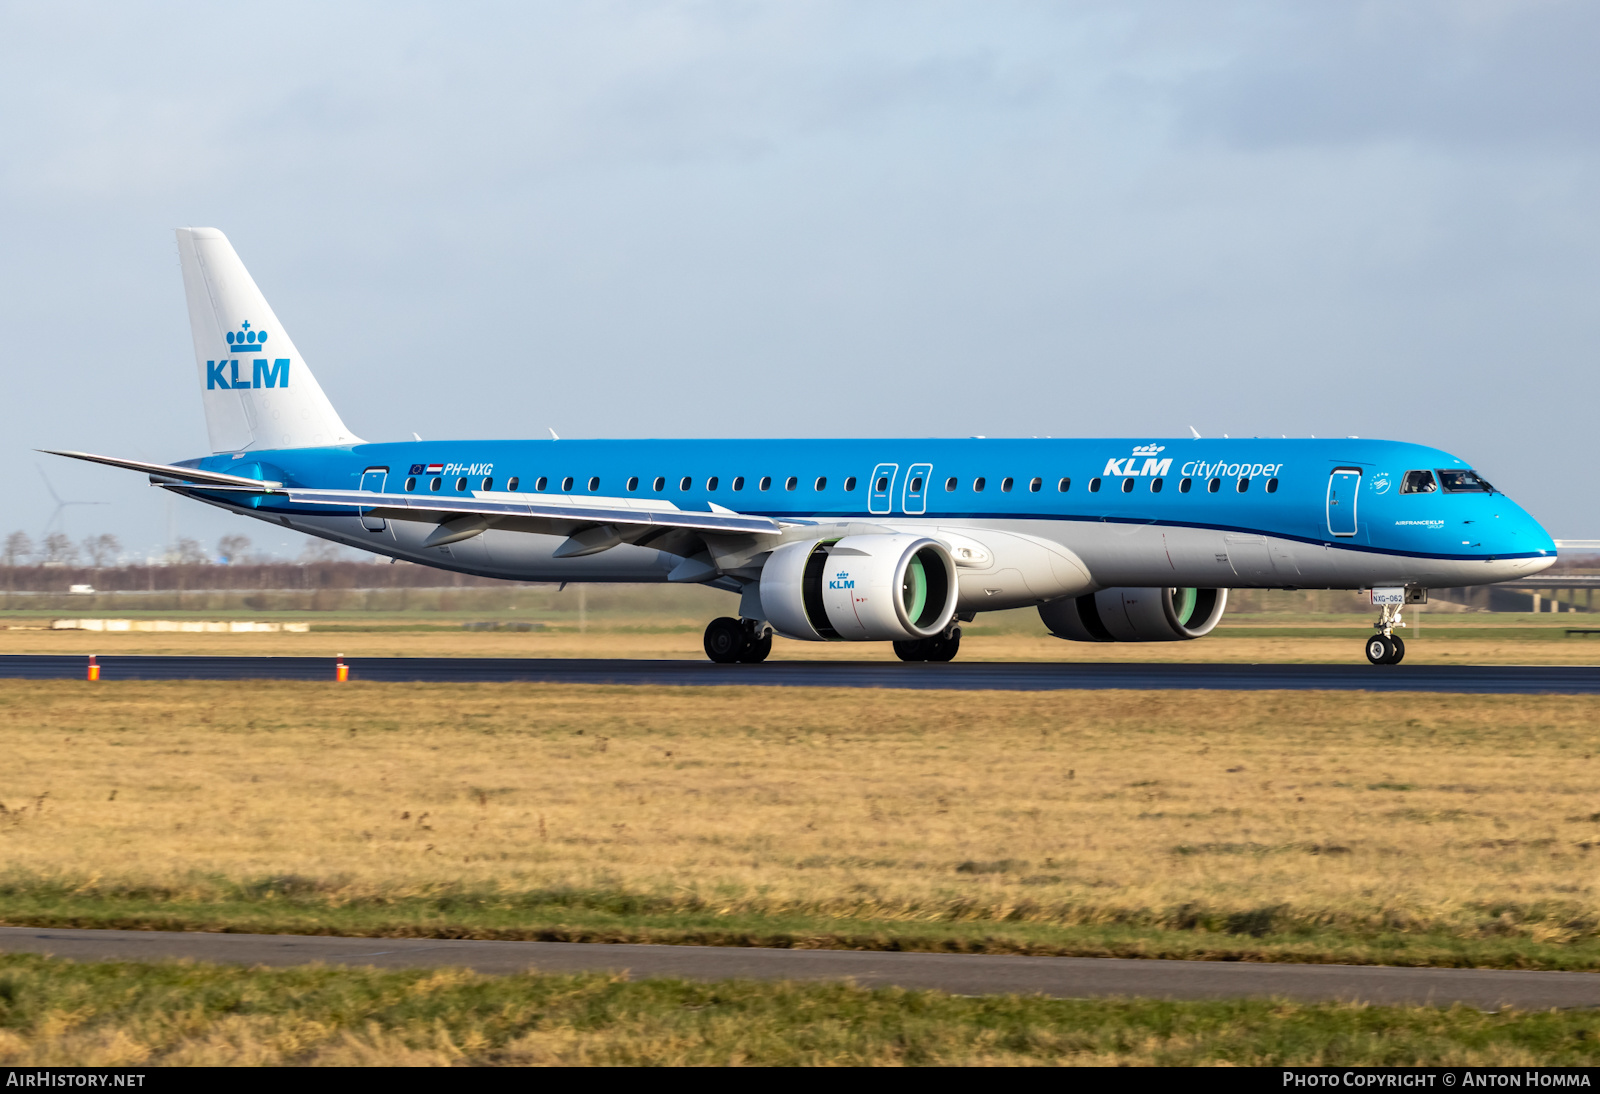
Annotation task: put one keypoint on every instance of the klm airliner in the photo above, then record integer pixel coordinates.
(894, 540)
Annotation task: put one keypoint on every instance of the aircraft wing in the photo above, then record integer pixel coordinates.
(467, 514)
(508, 510)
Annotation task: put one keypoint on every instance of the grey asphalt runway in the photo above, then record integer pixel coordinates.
(961, 974)
(957, 676)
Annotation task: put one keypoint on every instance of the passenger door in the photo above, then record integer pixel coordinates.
(915, 500)
(880, 491)
(1344, 489)
(373, 480)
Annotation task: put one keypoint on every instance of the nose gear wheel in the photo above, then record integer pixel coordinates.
(1385, 647)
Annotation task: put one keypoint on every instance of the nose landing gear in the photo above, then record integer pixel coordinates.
(1386, 647)
(731, 641)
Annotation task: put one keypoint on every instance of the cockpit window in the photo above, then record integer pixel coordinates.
(1418, 482)
(1464, 482)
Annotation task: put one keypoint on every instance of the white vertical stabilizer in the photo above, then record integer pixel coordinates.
(257, 390)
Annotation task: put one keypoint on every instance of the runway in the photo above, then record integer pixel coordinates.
(960, 974)
(956, 676)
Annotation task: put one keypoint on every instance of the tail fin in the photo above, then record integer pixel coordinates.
(258, 392)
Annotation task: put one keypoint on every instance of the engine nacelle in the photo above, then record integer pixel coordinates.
(860, 588)
(1135, 615)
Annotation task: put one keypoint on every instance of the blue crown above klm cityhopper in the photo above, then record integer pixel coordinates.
(264, 374)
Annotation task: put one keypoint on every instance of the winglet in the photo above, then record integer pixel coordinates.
(1195, 431)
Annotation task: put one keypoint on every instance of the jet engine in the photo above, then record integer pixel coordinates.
(888, 587)
(1135, 615)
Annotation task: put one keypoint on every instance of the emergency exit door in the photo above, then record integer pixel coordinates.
(372, 481)
(880, 491)
(915, 498)
(1344, 490)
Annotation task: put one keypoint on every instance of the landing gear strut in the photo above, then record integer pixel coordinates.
(941, 647)
(1385, 647)
(731, 641)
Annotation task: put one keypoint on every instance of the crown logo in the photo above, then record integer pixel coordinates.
(1148, 449)
(245, 338)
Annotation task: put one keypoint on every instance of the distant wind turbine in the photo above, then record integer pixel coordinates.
(58, 521)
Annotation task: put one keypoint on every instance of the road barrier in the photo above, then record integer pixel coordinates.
(177, 626)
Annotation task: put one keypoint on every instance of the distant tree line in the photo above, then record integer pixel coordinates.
(56, 563)
(57, 549)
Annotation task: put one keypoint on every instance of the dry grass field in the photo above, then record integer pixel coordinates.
(1400, 828)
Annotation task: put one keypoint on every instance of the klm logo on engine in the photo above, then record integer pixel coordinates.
(841, 580)
(1129, 465)
(264, 372)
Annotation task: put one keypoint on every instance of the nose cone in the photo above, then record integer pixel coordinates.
(1523, 539)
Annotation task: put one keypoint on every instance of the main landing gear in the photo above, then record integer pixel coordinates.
(1386, 647)
(731, 641)
(941, 647)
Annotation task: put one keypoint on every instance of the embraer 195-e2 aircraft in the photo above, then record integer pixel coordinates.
(846, 540)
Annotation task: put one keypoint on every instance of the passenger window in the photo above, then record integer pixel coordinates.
(461, 483)
(1244, 484)
(1005, 486)
(541, 483)
(660, 483)
(977, 486)
(822, 482)
(883, 484)
(1064, 485)
(411, 484)
(1418, 482)
(1033, 485)
(488, 484)
(1094, 486)
(738, 482)
(950, 484)
(566, 484)
(685, 483)
(790, 483)
(766, 482)
(1127, 486)
(850, 484)
(511, 484)
(916, 485)
(711, 483)
(1272, 486)
(434, 484)
(594, 483)
(1155, 486)
(633, 483)
(1213, 486)
(1184, 484)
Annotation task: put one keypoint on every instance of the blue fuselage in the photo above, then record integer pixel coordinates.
(1283, 513)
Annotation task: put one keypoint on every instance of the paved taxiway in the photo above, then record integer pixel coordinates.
(962, 974)
(959, 675)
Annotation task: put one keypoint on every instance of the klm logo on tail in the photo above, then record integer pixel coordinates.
(264, 372)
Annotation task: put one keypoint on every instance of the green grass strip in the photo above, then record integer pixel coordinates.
(602, 916)
(55, 1012)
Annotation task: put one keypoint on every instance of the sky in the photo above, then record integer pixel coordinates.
(808, 218)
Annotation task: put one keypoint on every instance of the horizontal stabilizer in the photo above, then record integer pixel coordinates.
(169, 471)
